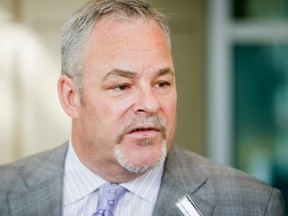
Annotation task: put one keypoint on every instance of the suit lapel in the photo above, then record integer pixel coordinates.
(180, 177)
(39, 190)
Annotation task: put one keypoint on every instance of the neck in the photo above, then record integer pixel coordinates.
(111, 172)
(108, 169)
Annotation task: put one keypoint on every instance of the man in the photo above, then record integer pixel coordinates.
(118, 87)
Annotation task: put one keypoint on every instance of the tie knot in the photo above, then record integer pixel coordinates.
(109, 195)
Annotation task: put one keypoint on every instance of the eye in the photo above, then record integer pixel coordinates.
(121, 87)
(162, 84)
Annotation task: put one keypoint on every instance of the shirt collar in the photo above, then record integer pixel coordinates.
(85, 182)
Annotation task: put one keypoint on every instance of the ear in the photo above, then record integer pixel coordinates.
(68, 96)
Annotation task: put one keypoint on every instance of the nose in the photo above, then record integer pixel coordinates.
(146, 102)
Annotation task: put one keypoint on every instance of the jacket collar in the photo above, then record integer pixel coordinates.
(182, 175)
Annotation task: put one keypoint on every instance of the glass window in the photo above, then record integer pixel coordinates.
(260, 9)
(261, 111)
(248, 74)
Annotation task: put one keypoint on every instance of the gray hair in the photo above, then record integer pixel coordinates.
(78, 27)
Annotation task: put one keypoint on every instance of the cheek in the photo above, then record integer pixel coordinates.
(169, 108)
(119, 108)
(170, 113)
(113, 115)
(172, 120)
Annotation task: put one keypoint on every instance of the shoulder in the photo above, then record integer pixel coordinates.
(23, 168)
(228, 187)
(211, 169)
(31, 174)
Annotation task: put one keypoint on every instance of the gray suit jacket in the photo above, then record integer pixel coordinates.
(33, 186)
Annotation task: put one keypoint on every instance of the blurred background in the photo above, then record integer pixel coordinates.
(231, 61)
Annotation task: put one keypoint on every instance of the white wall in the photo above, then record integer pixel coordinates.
(31, 118)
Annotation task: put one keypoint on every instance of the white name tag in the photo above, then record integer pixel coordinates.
(187, 207)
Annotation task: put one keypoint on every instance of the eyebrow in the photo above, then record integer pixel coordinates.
(165, 71)
(122, 73)
(130, 74)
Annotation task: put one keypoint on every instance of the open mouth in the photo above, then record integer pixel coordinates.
(144, 129)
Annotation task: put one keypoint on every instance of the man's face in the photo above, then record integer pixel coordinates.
(129, 95)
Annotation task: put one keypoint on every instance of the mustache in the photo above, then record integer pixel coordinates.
(151, 120)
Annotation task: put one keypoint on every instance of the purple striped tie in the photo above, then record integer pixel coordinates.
(109, 195)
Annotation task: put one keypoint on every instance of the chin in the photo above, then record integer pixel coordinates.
(142, 160)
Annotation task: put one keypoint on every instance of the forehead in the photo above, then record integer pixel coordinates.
(123, 42)
(117, 28)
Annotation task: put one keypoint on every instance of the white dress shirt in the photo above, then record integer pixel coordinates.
(80, 192)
